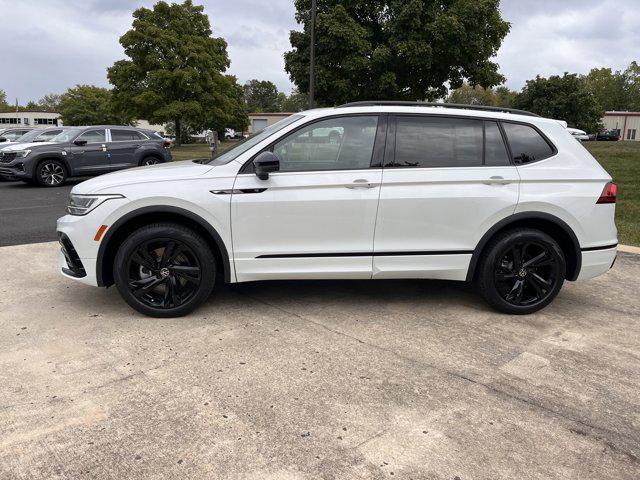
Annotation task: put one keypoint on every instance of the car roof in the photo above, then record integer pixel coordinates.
(472, 111)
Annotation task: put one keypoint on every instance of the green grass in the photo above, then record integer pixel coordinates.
(622, 161)
(195, 151)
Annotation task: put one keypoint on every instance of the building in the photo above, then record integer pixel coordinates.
(260, 121)
(158, 128)
(29, 118)
(627, 124)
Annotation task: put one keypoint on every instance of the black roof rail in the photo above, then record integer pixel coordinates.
(387, 103)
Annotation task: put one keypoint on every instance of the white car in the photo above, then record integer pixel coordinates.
(578, 134)
(505, 199)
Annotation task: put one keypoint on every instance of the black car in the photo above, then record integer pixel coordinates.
(81, 151)
(611, 136)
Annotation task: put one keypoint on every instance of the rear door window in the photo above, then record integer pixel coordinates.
(495, 151)
(438, 142)
(125, 135)
(527, 145)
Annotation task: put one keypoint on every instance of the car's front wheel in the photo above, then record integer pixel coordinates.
(51, 173)
(164, 270)
(521, 271)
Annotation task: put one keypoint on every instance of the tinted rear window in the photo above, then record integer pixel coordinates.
(124, 135)
(527, 145)
(438, 142)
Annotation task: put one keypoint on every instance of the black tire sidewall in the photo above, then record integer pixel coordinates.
(177, 232)
(39, 168)
(486, 282)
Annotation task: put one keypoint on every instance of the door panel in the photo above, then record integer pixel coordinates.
(302, 224)
(431, 219)
(91, 157)
(122, 148)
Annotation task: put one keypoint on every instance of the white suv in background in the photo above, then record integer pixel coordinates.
(502, 198)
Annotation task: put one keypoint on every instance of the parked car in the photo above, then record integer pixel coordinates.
(37, 135)
(578, 134)
(83, 151)
(502, 198)
(610, 135)
(9, 135)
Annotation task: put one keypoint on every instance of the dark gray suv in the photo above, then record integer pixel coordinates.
(83, 151)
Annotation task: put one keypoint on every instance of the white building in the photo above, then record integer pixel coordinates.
(627, 124)
(30, 118)
(260, 121)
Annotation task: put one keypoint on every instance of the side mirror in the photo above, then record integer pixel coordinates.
(3, 139)
(80, 143)
(265, 163)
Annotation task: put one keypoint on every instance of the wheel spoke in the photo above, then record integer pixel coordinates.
(505, 276)
(541, 281)
(190, 274)
(147, 263)
(168, 255)
(144, 286)
(516, 290)
(517, 257)
(536, 287)
(535, 260)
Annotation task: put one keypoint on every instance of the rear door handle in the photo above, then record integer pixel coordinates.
(360, 183)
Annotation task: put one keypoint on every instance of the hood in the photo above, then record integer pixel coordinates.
(23, 146)
(154, 173)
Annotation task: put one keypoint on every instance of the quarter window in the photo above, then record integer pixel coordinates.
(93, 136)
(438, 142)
(342, 143)
(495, 151)
(527, 145)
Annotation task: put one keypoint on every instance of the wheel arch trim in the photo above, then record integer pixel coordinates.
(140, 212)
(524, 216)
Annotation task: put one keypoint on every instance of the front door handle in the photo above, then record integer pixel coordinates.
(360, 183)
(496, 180)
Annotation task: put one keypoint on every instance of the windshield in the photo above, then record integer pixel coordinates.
(27, 137)
(66, 136)
(248, 143)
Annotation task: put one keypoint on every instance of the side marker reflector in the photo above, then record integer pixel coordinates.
(101, 230)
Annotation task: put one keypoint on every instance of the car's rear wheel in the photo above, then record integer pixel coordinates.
(521, 271)
(51, 173)
(164, 270)
(150, 161)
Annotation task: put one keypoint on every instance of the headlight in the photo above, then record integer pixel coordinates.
(22, 153)
(83, 204)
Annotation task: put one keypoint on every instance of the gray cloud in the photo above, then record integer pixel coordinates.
(53, 45)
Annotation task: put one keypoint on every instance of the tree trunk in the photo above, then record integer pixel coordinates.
(178, 133)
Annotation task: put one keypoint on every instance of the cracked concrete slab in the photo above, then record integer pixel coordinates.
(317, 380)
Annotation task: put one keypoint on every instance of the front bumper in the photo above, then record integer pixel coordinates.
(13, 171)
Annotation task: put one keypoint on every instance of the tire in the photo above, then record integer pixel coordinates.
(51, 173)
(150, 160)
(510, 278)
(164, 270)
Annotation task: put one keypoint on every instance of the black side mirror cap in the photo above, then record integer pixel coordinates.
(266, 163)
(80, 143)
(2, 139)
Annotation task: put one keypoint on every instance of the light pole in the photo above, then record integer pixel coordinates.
(312, 59)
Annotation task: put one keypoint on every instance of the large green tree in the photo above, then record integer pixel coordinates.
(396, 49)
(564, 97)
(295, 102)
(89, 105)
(175, 70)
(50, 102)
(261, 96)
(4, 106)
(616, 90)
(477, 95)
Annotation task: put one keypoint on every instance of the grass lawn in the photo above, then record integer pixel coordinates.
(622, 161)
(195, 151)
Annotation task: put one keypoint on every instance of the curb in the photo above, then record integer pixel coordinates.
(629, 249)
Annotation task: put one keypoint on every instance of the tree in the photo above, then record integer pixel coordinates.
(175, 71)
(4, 106)
(477, 95)
(50, 102)
(616, 90)
(296, 102)
(261, 96)
(89, 105)
(563, 98)
(396, 49)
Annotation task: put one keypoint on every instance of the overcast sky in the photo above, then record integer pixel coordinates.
(51, 45)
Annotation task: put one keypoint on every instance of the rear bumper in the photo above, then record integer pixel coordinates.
(597, 262)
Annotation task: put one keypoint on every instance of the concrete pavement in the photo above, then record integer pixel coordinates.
(306, 380)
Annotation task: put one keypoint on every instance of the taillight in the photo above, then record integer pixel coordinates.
(609, 193)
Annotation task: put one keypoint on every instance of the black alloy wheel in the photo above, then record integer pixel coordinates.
(150, 161)
(523, 271)
(51, 173)
(164, 270)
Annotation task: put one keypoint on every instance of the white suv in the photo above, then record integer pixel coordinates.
(503, 198)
